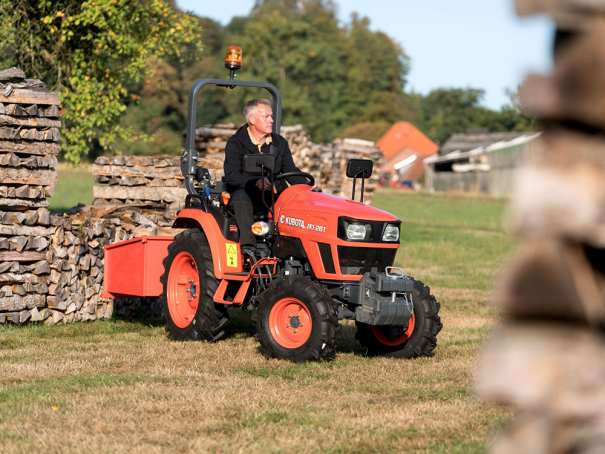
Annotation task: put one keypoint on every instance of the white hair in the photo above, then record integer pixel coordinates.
(252, 106)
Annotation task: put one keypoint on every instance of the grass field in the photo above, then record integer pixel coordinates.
(75, 186)
(122, 386)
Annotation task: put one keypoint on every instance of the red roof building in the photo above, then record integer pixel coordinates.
(404, 148)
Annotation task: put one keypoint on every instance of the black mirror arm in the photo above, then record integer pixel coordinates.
(360, 171)
(272, 198)
(363, 180)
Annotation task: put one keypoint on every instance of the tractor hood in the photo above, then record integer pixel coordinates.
(301, 198)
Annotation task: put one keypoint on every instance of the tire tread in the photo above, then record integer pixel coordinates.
(210, 318)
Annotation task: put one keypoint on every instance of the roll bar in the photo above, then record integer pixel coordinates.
(189, 156)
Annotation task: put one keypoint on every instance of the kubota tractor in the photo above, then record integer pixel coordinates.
(321, 259)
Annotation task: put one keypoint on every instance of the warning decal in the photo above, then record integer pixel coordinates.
(231, 255)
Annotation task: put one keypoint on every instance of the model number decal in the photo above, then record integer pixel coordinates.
(295, 222)
(317, 228)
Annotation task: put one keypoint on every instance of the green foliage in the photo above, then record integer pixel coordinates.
(124, 70)
(331, 77)
(446, 111)
(337, 80)
(89, 51)
(367, 130)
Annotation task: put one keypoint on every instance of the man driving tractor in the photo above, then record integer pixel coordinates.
(247, 191)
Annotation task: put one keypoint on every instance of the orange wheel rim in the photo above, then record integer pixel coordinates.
(379, 333)
(183, 290)
(290, 323)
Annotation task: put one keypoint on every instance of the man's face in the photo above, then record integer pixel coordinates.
(263, 120)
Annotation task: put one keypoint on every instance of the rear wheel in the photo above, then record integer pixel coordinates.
(189, 286)
(419, 338)
(295, 320)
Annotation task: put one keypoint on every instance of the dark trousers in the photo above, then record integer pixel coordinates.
(245, 205)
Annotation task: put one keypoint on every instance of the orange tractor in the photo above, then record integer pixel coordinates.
(322, 259)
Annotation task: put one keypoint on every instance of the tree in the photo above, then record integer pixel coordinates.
(89, 51)
(367, 130)
(446, 111)
(519, 118)
(331, 77)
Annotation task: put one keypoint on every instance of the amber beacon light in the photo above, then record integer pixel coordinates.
(233, 61)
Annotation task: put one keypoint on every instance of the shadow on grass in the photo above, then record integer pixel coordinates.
(151, 321)
(346, 342)
(240, 323)
(84, 331)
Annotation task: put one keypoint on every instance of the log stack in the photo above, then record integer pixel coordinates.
(141, 179)
(211, 140)
(306, 155)
(347, 149)
(326, 162)
(74, 261)
(547, 360)
(77, 252)
(29, 135)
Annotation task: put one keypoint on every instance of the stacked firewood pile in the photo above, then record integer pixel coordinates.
(29, 132)
(138, 179)
(211, 140)
(51, 266)
(345, 150)
(74, 262)
(77, 249)
(548, 359)
(326, 162)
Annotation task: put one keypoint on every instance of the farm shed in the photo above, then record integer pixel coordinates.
(479, 162)
(405, 147)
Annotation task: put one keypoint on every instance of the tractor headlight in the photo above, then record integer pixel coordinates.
(391, 233)
(356, 231)
(260, 228)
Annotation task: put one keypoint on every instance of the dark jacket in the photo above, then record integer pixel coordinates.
(240, 145)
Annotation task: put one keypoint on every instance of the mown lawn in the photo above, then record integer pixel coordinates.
(122, 386)
(75, 186)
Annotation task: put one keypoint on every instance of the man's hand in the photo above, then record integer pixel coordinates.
(265, 186)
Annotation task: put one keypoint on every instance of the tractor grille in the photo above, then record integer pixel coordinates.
(326, 257)
(361, 260)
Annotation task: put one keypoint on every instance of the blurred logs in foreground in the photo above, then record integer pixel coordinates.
(548, 360)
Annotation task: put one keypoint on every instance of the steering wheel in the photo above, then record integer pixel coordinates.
(308, 176)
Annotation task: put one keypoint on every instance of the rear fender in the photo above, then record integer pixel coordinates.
(226, 255)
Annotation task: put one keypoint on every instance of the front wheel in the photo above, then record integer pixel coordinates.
(296, 320)
(419, 338)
